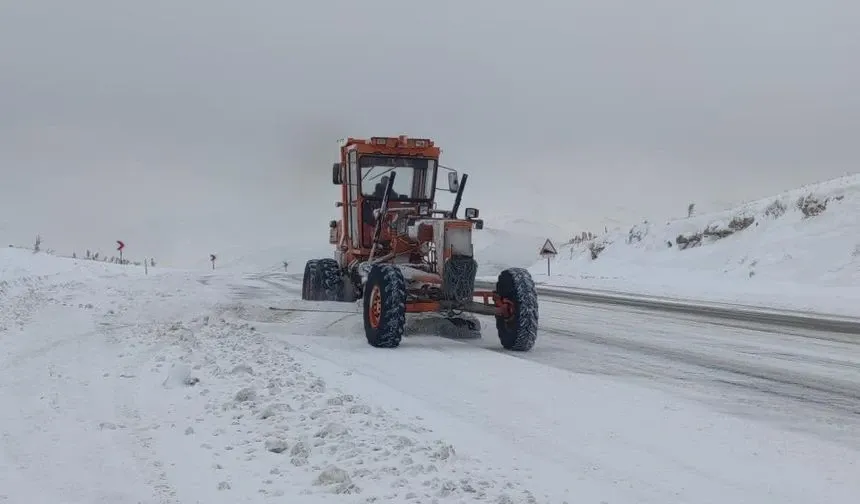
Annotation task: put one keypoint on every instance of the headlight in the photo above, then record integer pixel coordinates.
(471, 213)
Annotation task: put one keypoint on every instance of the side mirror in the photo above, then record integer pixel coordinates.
(336, 174)
(453, 182)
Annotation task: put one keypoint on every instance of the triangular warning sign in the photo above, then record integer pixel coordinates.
(548, 248)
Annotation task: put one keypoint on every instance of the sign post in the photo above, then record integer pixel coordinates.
(120, 246)
(212, 259)
(548, 250)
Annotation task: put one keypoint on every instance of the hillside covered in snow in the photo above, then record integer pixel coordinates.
(796, 250)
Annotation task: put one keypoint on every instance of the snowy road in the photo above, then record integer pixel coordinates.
(792, 380)
(185, 387)
(799, 378)
(806, 380)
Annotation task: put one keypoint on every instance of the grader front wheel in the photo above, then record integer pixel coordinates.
(384, 306)
(518, 327)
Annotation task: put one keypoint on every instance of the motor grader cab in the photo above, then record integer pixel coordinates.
(400, 253)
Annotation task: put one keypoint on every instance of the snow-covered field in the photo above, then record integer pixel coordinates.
(510, 241)
(783, 259)
(183, 387)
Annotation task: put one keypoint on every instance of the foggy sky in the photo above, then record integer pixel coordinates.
(188, 127)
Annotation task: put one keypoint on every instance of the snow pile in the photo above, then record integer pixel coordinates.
(798, 250)
(130, 387)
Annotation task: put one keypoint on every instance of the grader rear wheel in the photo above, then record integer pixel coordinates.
(330, 280)
(324, 281)
(310, 280)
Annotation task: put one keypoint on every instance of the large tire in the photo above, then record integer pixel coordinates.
(330, 280)
(384, 306)
(310, 281)
(518, 332)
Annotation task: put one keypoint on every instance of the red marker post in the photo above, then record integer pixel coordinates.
(120, 246)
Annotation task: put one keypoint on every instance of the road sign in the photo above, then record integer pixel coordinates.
(119, 246)
(548, 249)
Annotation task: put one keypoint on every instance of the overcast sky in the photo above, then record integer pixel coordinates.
(186, 126)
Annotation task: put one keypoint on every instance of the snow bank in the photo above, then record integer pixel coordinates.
(243, 259)
(798, 250)
(512, 241)
(134, 388)
(17, 263)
